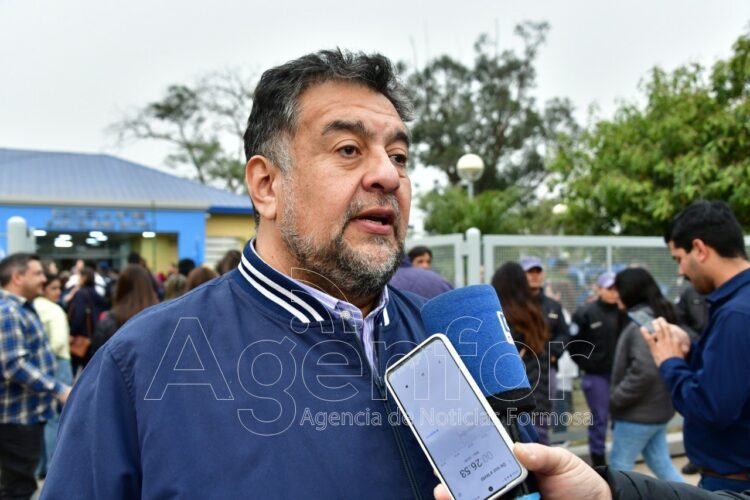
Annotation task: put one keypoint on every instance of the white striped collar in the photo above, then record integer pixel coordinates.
(279, 289)
(335, 306)
(292, 297)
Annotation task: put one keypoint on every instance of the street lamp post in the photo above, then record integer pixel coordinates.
(558, 211)
(470, 168)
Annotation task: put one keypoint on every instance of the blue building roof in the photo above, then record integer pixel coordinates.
(54, 178)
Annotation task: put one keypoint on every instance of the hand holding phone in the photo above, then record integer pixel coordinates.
(459, 433)
(561, 474)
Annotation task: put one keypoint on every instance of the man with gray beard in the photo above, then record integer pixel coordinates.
(204, 396)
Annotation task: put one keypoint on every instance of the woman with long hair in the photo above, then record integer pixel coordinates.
(531, 333)
(175, 286)
(84, 309)
(229, 262)
(55, 323)
(134, 292)
(200, 275)
(639, 403)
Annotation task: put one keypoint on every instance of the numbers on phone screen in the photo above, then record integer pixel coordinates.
(476, 464)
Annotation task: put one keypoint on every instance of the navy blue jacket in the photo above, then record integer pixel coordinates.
(711, 389)
(241, 389)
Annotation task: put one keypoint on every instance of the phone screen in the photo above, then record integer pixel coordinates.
(642, 318)
(456, 430)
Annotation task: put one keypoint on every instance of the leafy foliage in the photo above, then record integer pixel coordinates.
(203, 123)
(492, 211)
(691, 140)
(487, 109)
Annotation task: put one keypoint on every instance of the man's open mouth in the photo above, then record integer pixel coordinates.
(380, 216)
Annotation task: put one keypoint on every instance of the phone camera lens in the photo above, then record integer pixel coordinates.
(491, 488)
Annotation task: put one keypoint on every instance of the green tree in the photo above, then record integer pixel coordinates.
(203, 123)
(690, 140)
(487, 109)
(492, 212)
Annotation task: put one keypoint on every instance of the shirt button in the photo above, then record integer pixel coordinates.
(346, 315)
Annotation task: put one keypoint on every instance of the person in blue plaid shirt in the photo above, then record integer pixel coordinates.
(28, 388)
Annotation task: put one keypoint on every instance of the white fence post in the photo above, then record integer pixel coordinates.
(474, 256)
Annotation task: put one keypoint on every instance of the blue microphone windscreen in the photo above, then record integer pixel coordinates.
(473, 320)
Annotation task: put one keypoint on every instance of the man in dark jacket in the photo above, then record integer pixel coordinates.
(709, 380)
(595, 328)
(558, 328)
(552, 310)
(267, 382)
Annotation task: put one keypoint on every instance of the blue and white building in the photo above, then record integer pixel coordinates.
(100, 207)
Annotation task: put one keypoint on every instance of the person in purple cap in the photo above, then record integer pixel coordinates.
(558, 328)
(598, 325)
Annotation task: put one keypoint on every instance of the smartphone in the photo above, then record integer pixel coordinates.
(641, 317)
(459, 433)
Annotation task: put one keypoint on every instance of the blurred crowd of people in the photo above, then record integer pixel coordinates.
(67, 315)
(609, 338)
(98, 299)
(641, 358)
(619, 378)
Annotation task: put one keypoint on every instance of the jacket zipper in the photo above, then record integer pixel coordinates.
(399, 443)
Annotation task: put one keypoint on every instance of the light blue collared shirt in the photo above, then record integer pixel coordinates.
(349, 313)
(342, 310)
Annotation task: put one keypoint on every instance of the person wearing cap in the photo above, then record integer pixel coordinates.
(553, 314)
(595, 329)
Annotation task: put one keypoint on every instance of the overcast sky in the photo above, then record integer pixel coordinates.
(69, 68)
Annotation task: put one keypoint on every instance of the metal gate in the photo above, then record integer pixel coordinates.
(454, 256)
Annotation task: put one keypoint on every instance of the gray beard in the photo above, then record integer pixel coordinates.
(336, 265)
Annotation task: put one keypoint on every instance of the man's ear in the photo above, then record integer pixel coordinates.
(701, 250)
(260, 174)
(16, 278)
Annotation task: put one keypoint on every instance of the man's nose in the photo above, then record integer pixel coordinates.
(382, 175)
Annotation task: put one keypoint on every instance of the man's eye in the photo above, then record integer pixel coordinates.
(348, 150)
(399, 160)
